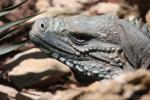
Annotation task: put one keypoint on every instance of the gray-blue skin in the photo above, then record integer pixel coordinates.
(94, 47)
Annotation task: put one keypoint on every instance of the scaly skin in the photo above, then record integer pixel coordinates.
(94, 47)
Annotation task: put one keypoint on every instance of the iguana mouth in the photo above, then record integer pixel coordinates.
(58, 51)
(107, 55)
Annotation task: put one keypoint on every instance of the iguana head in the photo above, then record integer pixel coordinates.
(90, 46)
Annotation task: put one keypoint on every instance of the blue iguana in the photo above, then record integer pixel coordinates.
(94, 47)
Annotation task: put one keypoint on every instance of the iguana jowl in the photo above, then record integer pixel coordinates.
(94, 47)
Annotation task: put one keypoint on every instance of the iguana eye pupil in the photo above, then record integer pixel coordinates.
(80, 38)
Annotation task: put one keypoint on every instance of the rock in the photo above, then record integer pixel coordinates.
(42, 5)
(17, 59)
(46, 96)
(137, 8)
(68, 94)
(29, 95)
(7, 93)
(98, 96)
(74, 7)
(141, 76)
(33, 95)
(128, 86)
(36, 72)
(146, 97)
(103, 8)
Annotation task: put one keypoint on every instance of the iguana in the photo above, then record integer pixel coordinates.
(94, 47)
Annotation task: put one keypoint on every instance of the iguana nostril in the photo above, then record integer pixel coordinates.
(42, 25)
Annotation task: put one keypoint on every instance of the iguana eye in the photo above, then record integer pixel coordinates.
(80, 39)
